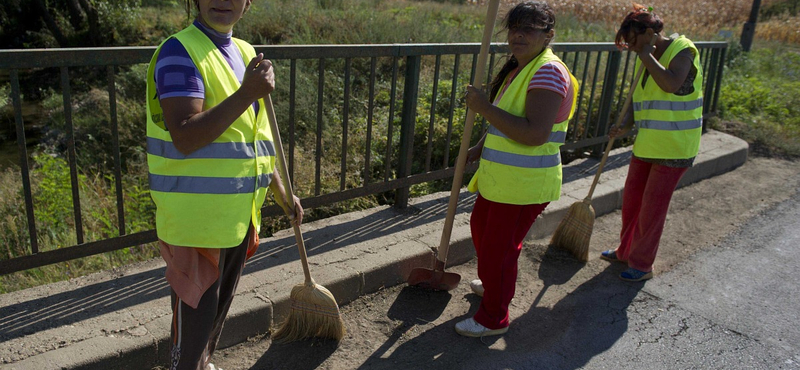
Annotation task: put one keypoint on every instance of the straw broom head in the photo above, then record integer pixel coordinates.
(314, 313)
(575, 230)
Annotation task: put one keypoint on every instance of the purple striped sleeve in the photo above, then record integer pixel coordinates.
(176, 74)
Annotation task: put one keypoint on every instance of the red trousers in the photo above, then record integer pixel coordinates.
(498, 230)
(645, 201)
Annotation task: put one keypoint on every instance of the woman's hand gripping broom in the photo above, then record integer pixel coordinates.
(314, 311)
(437, 278)
(575, 230)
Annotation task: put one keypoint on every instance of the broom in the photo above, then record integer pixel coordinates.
(575, 230)
(314, 312)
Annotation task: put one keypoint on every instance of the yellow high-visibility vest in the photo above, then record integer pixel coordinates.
(208, 198)
(669, 125)
(514, 173)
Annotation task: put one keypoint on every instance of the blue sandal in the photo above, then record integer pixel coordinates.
(610, 255)
(632, 274)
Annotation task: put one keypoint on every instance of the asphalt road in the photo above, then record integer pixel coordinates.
(730, 305)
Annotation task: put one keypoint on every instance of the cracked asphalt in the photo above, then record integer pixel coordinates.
(724, 297)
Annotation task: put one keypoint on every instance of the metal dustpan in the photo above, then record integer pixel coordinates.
(436, 278)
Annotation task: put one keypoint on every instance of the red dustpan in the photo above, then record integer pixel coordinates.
(436, 278)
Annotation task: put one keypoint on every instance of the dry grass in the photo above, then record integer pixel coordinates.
(702, 19)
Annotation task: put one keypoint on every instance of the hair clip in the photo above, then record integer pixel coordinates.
(650, 9)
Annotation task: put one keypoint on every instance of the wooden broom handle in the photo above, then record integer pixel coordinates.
(621, 116)
(461, 162)
(287, 185)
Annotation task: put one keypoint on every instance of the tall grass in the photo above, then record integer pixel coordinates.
(55, 221)
(359, 21)
(701, 19)
(760, 99)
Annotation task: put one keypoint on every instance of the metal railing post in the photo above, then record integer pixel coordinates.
(23, 161)
(607, 97)
(710, 86)
(400, 170)
(408, 122)
(718, 82)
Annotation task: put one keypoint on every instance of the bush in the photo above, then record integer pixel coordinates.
(760, 99)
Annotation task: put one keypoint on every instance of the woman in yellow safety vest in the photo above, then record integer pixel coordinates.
(667, 109)
(211, 159)
(531, 102)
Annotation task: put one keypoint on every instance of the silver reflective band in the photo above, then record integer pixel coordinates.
(557, 137)
(235, 150)
(521, 160)
(668, 105)
(208, 185)
(669, 125)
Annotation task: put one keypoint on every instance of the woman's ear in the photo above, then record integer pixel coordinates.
(550, 35)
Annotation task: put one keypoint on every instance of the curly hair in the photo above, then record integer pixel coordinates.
(639, 20)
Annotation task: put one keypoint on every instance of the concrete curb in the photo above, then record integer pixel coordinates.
(351, 255)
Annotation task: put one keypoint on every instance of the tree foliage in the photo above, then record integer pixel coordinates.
(74, 23)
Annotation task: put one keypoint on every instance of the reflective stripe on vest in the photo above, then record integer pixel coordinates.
(668, 105)
(670, 126)
(208, 185)
(167, 149)
(521, 160)
(558, 137)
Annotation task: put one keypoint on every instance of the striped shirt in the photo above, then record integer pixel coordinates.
(176, 74)
(552, 76)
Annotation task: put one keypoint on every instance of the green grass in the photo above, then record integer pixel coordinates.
(760, 99)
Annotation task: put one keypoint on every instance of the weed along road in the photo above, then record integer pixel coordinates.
(723, 297)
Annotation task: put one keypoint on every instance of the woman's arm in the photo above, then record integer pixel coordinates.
(474, 153)
(279, 193)
(541, 108)
(192, 128)
(668, 79)
(627, 124)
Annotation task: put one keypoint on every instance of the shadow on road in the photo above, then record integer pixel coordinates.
(62, 308)
(583, 324)
(300, 355)
(84, 303)
(408, 310)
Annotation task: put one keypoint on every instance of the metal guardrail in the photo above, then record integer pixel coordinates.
(600, 68)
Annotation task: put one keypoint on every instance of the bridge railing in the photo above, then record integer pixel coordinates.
(382, 118)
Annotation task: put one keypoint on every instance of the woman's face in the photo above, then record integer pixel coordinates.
(526, 42)
(636, 41)
(221, 15)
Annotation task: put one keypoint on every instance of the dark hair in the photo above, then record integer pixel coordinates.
(639, 20)
(533, 14)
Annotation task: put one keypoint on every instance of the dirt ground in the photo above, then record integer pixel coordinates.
(404, 327)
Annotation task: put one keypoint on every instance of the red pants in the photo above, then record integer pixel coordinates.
(498, 230)
(645, 201)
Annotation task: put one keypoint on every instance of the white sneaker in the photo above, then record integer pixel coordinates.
(471, 328)
(477, 287)
(210, 366)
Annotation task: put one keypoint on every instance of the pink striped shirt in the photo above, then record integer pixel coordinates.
(552, 76)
